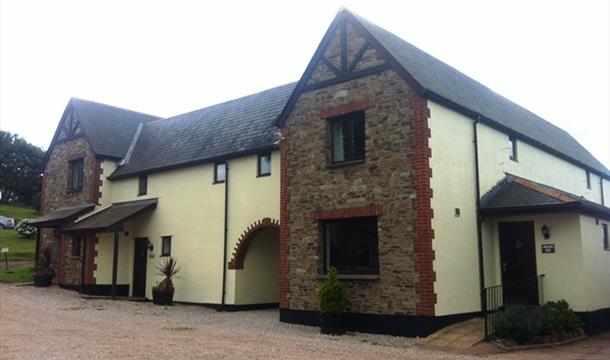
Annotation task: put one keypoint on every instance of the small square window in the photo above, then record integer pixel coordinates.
(512, 148)
(264, 165)
(166, 246)
(77, 242)
(220, 172)
(143, 185)
(76, 169)
(605, 236)
(347, 137)
(351, 245)
(588, 175)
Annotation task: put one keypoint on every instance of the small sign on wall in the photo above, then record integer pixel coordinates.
(548, 248)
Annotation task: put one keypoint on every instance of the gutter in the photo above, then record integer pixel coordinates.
(479, 217)
(226, 235)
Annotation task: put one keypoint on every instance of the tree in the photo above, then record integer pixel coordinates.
(20, 168)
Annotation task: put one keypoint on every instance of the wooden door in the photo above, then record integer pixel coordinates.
(140, 258)
(518, 262)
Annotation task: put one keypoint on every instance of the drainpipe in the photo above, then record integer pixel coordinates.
(479, 217)
(226, 235)
(601, 188)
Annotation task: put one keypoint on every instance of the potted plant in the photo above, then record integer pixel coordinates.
(163, 292)
(332, 298)
(44, 272)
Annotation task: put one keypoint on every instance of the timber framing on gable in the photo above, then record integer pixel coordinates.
(348, 67)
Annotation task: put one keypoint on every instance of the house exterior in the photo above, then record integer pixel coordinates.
(425, 189)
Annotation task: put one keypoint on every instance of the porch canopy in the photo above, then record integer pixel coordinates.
(57, 219)
(111, 219)
(61, 216)
(514, 195)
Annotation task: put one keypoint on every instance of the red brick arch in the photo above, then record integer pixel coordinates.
(241, 249)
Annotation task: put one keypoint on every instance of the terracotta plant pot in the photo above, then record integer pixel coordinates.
(43, 280)
(332, 324)
(163, 297)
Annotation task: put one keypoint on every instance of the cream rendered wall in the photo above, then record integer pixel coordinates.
(453, 186)
(533, 164)
(564, 271)
(104, 248)
(191, 210)
(597, 264)
(258, 282)
(108, 167)
(251, 198)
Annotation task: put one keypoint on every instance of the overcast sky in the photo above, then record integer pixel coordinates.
(170, 57)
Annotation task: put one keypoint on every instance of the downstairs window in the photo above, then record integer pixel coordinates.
(351, 245)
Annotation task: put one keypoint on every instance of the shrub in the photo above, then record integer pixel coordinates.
(24, 229)
(529, 324)
(521, 323)
(332, 296)
(168, 269)
(43, 267)
(562, 320)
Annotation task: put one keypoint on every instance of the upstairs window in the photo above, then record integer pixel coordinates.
(512, 148)
(605, 236)
(142, 185)
(166, 246)
(588, 175)
(220, 172)
(351, 245)
(76, 169)
(347, 137)
(264, 164)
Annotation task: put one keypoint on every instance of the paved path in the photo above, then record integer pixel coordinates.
(57, 324)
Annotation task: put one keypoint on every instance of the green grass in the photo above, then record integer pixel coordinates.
(19, 248)
(18, 211)
(17, 275)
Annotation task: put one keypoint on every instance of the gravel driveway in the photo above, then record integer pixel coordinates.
(57, 324)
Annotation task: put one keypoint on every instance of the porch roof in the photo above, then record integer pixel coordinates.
(515, 195)
(109, 218)
(61, 215)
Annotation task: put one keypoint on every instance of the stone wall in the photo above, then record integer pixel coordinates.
(384, 181)
(55, 194)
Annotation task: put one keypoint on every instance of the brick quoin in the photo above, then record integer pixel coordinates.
(343, 109)
(284, 217)
(422, 224)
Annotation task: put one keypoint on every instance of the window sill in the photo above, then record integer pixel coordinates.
(370, 277)
(514, 159)
(263, 175)
(218, 182)
(345, 163)
(70, 191)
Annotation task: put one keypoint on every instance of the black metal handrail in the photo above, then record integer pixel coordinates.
(493, 300)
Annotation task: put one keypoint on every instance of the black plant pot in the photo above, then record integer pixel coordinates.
(332, 324)
(43, 280)
(163, 297)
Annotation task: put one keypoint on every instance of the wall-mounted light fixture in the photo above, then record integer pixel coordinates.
(150, 245)
(545, 231)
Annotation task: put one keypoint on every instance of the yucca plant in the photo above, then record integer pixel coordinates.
(168, 269)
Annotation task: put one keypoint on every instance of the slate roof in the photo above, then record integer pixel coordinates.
(109, 129)
(112, 215)
(238, 126)
(442, 80)
(514, 195)
(62, 214)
